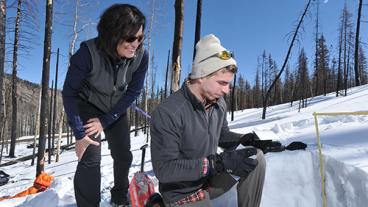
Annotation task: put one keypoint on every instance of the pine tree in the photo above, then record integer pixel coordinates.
(303, 80)
(257, 96)
(288, 85)
(241, 98)
(323, 60)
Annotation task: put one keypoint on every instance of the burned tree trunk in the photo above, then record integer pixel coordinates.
(14, 81)
(265, 100)
(317, 73)
(338, 83)
(2, 60)
(197, 34)
(167, 74)
(37, 126)
(60, 135)
(54, 117)
(45, 87)
(49, 140)
(356, 53)
(177, 45)
(233, 99)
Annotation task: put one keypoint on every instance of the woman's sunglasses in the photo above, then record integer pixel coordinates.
(223, 55)
(134, 38)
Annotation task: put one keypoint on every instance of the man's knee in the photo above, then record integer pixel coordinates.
(250, 188)
(261, 161)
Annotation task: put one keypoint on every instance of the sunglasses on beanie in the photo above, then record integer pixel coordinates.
(223, 55)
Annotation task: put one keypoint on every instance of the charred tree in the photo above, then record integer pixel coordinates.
(345, 36)
(363, 65)
(14, 81)
(60, 134)
(257, 91)
(348, 74)
(49, 137)
(2, 132)
(356, 53)
(177, 45)
(338, 79)
(2, 60)
(263, 76)
(45, 87)
(265, 100)
(316, 53)
(167, 73)
(323, 59)
(136, 123)
(241, 99)
(37, 127)
(233, 99)
(54, 117)
(197, 33)
(303, 80)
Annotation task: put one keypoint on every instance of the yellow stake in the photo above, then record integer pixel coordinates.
(321, 163)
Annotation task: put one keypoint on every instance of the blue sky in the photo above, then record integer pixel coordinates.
(247, 27)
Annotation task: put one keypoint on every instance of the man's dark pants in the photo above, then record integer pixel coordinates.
(87, 178)
(249, 189)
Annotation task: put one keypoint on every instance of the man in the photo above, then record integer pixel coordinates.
(187, 129)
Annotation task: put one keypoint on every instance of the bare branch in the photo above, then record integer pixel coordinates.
(265, 101)
(86, 25)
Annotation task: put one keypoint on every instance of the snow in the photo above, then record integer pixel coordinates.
(292, 177)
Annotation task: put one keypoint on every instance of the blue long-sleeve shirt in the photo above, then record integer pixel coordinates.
(80, 67)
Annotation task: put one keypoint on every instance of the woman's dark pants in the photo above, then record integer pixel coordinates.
(87, 178)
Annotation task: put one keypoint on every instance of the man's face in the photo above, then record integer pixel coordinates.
(216, 85)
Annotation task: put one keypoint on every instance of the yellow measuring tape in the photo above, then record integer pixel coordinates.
(322, 169)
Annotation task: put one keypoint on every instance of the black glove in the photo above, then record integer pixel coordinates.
(296, 146)
(245, 140)
(155, 200)
(252, 139)
(249, 138)
(234, 162)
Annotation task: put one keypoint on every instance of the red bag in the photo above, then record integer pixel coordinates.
(141, 187)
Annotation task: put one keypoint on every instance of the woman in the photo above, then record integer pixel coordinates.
(105, 76)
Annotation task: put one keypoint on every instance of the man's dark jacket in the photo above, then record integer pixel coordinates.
(182, 135)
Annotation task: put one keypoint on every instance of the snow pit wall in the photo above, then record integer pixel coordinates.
(293, 179)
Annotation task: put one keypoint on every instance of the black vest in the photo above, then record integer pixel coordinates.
(107, 82)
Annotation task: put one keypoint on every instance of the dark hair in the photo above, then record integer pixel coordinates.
(117, 23)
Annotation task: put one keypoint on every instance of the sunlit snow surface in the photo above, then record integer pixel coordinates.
(292, 177)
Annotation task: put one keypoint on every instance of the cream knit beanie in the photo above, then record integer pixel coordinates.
(206, 47)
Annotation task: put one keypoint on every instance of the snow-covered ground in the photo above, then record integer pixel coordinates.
(292, 178)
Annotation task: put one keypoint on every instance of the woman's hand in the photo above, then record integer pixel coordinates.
(93, 127)
(82, 144)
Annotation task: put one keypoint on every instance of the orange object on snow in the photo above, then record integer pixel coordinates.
(42, 182)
